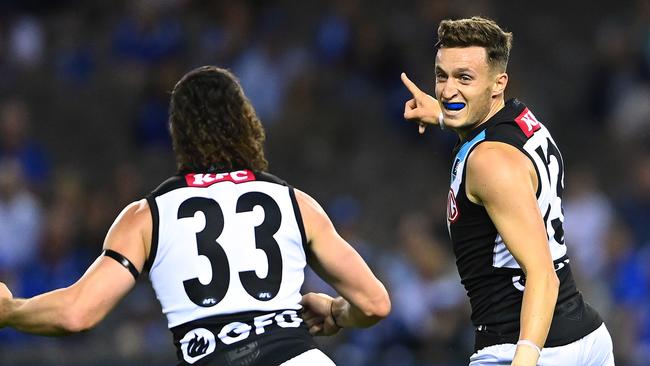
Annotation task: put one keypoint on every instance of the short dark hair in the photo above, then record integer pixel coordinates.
(477, 31)
(213, 125)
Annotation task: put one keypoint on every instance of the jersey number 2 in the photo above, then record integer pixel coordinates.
(262, 289)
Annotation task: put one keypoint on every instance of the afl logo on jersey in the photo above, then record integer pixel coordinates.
(197, 344)
(452, 208)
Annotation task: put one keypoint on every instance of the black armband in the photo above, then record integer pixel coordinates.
(125, 262)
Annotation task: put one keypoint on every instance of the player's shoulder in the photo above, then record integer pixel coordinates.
(307, 202)
(502, 149)
(514, 124)
(493, 156)
(271, 178)
(168, 185)
(135, 216)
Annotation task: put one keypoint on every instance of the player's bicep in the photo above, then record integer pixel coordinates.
(498, 177)
(130, 235)
(111, 276)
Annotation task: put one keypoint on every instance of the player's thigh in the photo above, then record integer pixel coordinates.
(598, 348)
(313, 357)
(595, 349)
(497, 355)
(502, 354)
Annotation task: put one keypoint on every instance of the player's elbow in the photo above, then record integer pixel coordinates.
(547, 279)
(77, 321)
(378, 308)
(75, 317)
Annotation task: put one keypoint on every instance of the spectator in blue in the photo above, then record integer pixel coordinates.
(635, 206)
(16, 142)
(146, 35)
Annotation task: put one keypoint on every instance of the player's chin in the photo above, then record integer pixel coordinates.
(454, 121)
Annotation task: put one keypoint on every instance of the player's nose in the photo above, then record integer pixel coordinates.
(448, 91)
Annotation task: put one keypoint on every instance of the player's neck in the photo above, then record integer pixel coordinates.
(496, 105)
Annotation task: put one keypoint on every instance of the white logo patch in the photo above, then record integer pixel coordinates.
(197, 344)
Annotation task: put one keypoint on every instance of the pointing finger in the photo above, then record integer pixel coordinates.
(410, 85)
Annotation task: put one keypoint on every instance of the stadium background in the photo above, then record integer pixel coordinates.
(83, 101)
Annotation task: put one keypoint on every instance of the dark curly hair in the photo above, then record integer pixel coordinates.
(213, 125)
(477, 31)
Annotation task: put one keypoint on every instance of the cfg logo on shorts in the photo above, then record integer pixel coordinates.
(197, 344)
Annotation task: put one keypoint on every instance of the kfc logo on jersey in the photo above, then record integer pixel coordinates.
(527, 122)
(206, 180)
(452, 208)
(197, 344)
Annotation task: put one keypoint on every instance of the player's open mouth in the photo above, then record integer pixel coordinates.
(453, 106)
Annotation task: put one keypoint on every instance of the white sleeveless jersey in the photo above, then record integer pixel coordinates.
(225, 243)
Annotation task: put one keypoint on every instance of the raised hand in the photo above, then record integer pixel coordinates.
(422, 108)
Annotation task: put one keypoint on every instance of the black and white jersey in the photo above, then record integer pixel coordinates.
(227, 264)
(492, 277)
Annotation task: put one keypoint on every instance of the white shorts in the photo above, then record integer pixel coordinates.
(593, 350)
(313, 357)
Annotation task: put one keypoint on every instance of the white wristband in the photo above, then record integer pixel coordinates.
(441, 123)
(526, 342)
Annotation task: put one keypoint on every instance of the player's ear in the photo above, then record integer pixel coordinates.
(500, 82)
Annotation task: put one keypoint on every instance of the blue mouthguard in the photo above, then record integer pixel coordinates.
(454, 106)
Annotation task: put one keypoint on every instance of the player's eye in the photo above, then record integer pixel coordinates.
(465, 77)
(441, 77)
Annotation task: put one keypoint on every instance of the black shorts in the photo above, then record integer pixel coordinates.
(250, 339)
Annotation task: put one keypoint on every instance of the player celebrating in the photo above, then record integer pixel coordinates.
(504, 209)
(225, 245)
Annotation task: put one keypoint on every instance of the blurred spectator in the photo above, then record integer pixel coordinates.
(74, 58)
(148, 35)
(26, 42)
(16, 143)
(587, 217)
(267, 68)
(335, 32)
(225, 33)
(630, 289)
(151, 122)
(61, 260)
(59, 263)
(429, 305)
(20, 220)
(635, 205)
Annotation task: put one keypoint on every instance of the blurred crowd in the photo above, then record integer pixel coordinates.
(84, 88)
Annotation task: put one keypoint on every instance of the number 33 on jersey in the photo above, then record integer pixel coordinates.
(233, 242)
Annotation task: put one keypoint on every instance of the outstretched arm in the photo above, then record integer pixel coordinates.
(82, 305)
(364, 300)
(503, 180)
